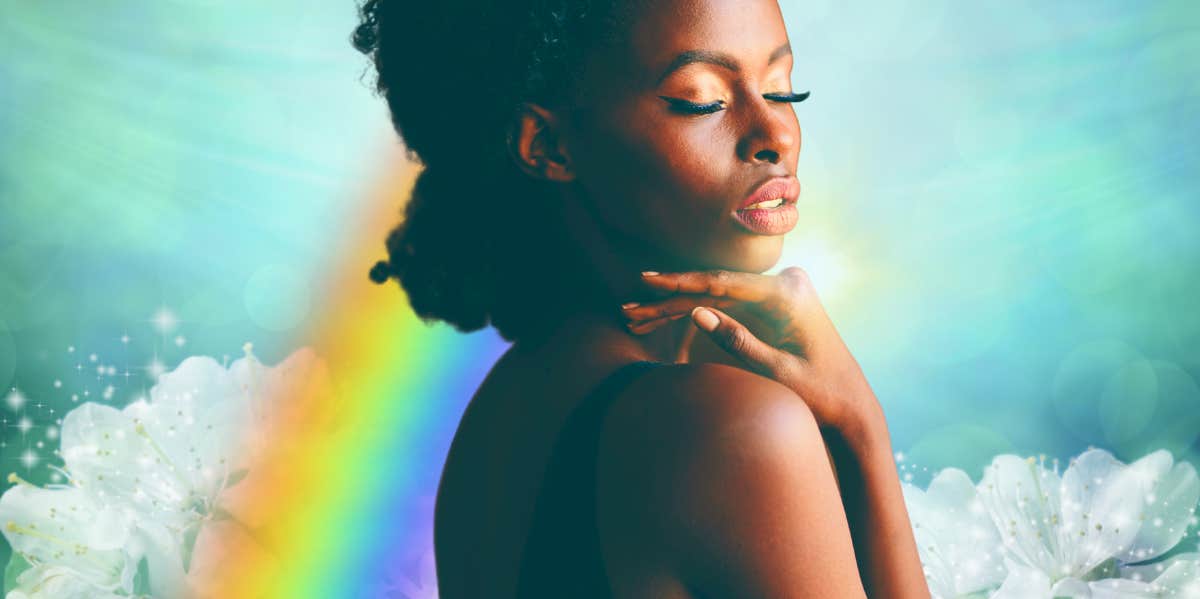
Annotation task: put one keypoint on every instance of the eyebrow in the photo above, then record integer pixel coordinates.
(718, 58)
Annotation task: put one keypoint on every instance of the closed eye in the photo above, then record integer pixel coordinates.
(788, 97)
(685, 107)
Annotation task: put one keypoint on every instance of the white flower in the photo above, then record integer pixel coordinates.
(286, 402)
(289, 404)
(1176, 578)
(69, 540)
(1061, 536)
(169, 463)
(57, 582)
(958, 543)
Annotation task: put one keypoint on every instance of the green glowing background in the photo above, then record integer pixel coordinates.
(1001, 207)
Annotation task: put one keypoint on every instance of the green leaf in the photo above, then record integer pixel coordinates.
(141, 580)
(16, 565)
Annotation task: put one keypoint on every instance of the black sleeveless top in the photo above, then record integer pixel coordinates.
(562, 555)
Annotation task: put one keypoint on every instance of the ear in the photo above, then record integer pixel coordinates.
(536, 143)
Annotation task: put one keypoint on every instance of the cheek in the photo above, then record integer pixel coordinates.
(672, 174)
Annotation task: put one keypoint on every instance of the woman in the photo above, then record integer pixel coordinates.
(601, 179)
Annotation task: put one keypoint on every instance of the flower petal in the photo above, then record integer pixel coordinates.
(959, 545)
(107, 453)
(57, 582)
(68, 527)
(1183, 567)
(1101, 501)
(1023, 582)
(1169, 504)
(1022, 499)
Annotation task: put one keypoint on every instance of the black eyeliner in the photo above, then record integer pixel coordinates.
(800, 97)
(692, 108)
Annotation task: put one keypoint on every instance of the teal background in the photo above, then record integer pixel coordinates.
(1001, 208)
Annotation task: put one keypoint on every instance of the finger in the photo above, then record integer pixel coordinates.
(745, 286)
(679, 304)
(735, 338)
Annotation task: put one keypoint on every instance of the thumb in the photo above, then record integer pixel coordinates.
(736, 339)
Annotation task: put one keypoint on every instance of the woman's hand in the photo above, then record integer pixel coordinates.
(803, 350)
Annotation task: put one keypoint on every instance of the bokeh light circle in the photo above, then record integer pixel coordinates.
(277, 297)
(1081, 380)
(1161, 104)
(1128, 401)
(1174, 424)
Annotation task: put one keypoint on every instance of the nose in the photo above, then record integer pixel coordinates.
(771, 132)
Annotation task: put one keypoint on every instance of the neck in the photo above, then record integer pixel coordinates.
(612, 263)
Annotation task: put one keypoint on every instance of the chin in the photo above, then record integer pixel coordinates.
(757, 253)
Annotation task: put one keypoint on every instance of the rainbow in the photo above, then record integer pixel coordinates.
(334, 501)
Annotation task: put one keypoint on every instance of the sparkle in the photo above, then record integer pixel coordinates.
(29, 459)
(24, 424)
(14, 399)
(70, 349)
(155, 368)
(180, 340)
(125, 339)
(51, 432)
(57, 384)
(164, 320)
(93, 358)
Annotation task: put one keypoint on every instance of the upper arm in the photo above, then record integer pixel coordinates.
(716, 480)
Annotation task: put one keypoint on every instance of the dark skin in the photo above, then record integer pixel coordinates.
(718, 475)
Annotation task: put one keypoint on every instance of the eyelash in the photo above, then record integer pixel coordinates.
(686, 107)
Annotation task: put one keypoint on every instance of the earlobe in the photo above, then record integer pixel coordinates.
(535, 144)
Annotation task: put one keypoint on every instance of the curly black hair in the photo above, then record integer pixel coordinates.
(478, 242)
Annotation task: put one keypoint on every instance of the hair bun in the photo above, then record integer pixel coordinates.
(475, 225)
(381, 272)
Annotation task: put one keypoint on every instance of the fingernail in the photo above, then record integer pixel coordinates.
(649, 273)
(705, 319)
(629, 305)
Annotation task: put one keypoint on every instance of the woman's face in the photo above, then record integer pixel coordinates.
(676, 180)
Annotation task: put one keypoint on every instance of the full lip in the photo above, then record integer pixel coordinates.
(786, 187)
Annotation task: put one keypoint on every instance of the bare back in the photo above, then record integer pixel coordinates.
(495, 468)
(497, 462)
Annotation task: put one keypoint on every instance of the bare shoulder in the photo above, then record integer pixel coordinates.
(690, 403)
(714, 480)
